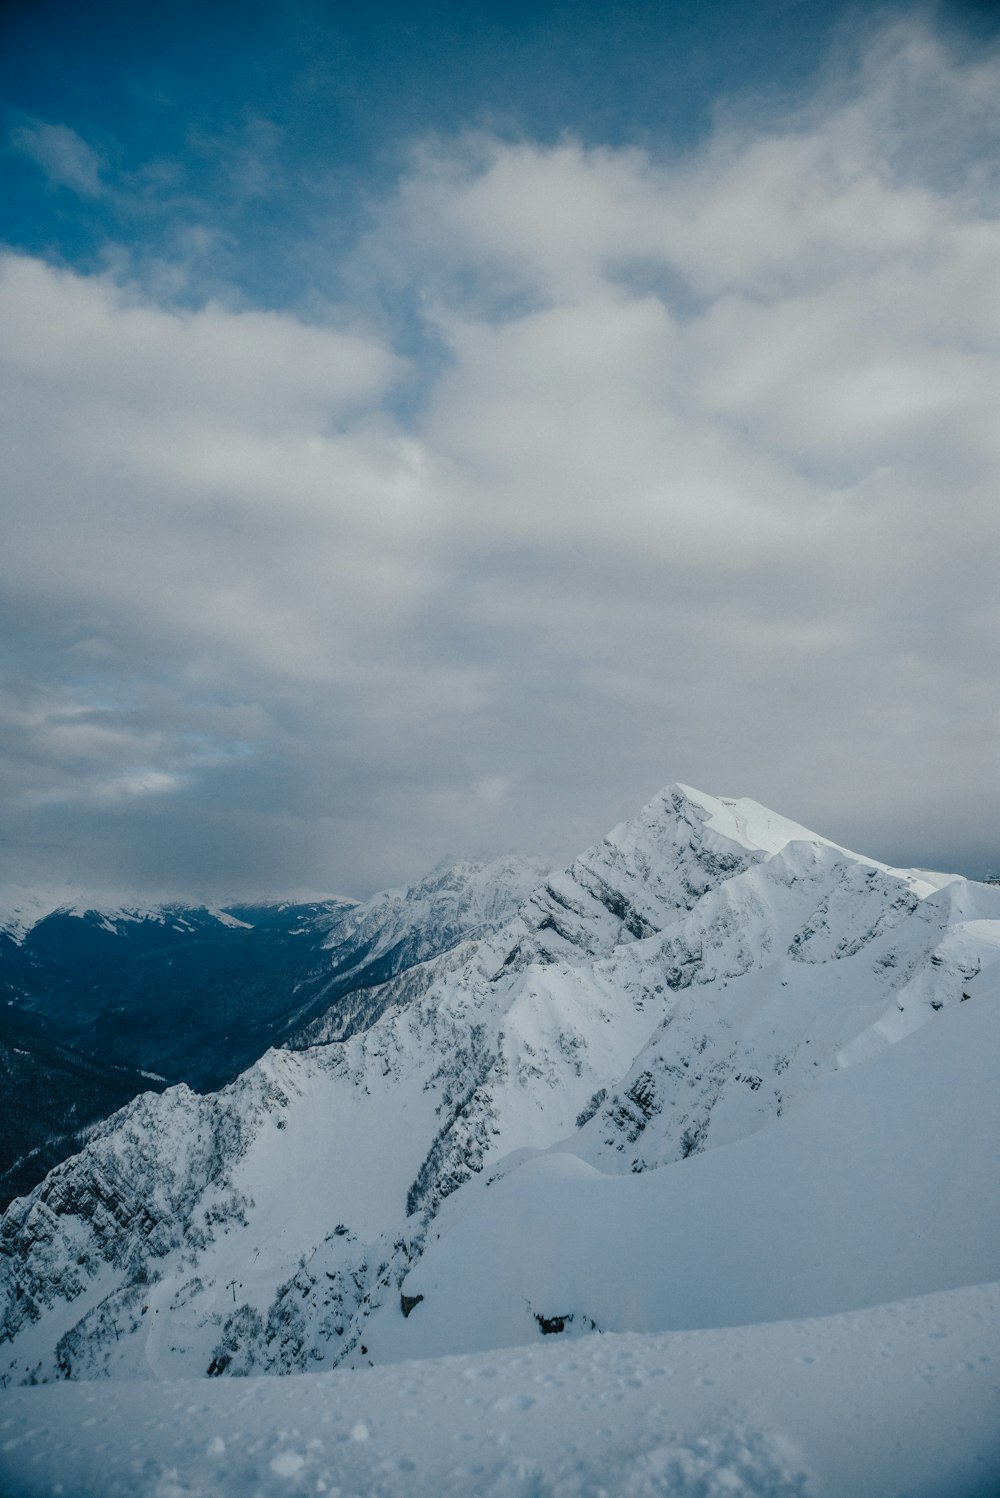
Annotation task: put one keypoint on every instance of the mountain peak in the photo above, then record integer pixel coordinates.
(739, 819)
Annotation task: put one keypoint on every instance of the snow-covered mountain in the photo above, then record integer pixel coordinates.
(102, 1004)
(694, 1071)
(380, 951)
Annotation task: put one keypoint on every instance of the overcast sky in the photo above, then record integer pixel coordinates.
(430, 432)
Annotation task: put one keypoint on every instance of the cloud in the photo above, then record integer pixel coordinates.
(63, 155)
(60, 747)
(701, 483)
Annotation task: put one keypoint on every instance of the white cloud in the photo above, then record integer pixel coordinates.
(65, 157)
(213, 476)
(706, 489)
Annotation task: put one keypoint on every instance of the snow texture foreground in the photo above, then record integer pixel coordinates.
(901, 1399)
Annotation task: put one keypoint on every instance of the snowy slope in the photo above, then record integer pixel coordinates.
(688, 983)
(808, 959)
(879, 1184)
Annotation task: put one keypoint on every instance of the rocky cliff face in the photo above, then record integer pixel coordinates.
(672, 990)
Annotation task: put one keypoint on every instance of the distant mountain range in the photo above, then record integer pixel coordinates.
(718, 1070)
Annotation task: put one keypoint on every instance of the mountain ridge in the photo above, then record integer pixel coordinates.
(677, 988)
(133, 995)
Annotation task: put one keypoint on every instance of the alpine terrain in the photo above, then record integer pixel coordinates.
(711, 1107)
